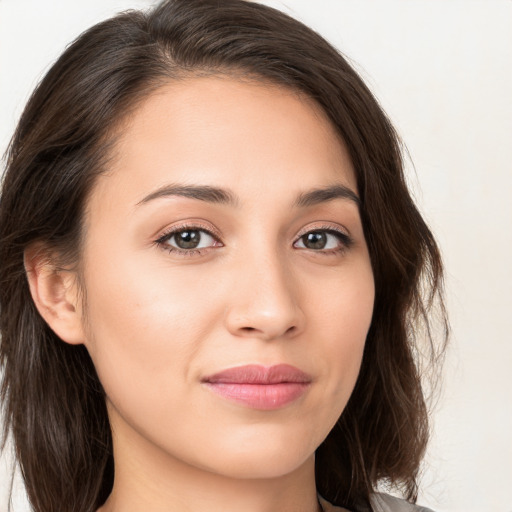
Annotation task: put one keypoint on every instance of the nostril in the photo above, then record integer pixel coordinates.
(252, 330)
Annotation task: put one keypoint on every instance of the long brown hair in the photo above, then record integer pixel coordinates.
(54, 404)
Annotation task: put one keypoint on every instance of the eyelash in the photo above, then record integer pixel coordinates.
(345, 240)
(166, 236)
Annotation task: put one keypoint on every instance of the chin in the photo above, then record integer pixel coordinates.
(262, 457)
(262, 468)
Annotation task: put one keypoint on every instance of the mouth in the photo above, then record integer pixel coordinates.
(260, 387)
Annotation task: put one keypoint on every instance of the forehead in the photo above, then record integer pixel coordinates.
(227, 132)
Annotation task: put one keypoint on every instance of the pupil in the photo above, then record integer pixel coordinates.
(315, 240)
(188, 239)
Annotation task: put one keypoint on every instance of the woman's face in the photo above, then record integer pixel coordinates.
(225, 234)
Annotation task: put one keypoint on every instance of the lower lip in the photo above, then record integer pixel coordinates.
(260, 396)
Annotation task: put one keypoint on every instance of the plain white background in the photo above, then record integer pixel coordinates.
(443, 72)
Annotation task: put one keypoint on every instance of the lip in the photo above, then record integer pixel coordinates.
(260, 387)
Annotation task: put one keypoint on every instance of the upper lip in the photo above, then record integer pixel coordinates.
(259, 374)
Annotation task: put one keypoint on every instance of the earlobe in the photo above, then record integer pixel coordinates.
(55, 294)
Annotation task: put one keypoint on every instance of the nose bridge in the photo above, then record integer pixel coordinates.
(266, 302)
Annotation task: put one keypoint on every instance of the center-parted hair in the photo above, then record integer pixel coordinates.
(53, 403)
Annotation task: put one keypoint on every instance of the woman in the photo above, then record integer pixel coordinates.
(212, 274)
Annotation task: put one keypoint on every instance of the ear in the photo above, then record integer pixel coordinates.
(55, 294)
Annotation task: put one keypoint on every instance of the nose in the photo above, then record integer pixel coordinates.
(265, 302)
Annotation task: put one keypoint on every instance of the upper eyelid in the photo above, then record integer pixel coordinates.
(325, 227)
(340, 235)
(172, 230)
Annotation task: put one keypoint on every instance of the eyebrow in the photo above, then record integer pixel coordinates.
(200, 192)
(223, 196)
(323, 195)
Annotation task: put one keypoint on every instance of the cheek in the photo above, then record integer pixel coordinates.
(342, 317)
(146, 322)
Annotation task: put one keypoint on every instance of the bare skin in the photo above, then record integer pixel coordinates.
(280, 275)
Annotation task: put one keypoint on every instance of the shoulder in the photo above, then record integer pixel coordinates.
(387, 503)
(381, 503)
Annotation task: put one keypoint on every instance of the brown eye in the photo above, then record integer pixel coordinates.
(188, 239)
(323, 240)
(315, 240)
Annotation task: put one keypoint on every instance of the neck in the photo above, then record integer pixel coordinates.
(147, 479)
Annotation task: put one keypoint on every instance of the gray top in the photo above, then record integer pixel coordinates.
(380, 503)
